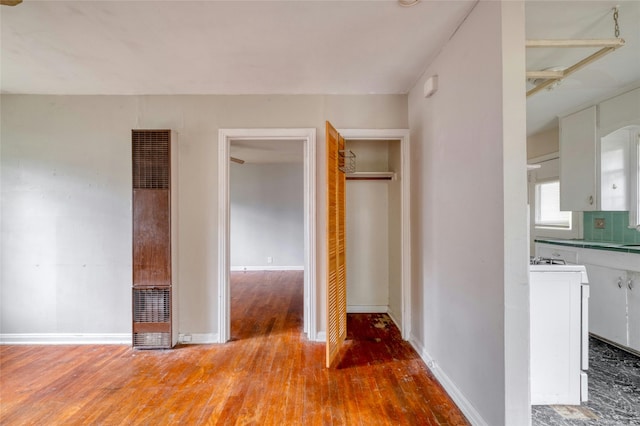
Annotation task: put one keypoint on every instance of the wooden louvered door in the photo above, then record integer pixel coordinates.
(336, 262)
(151, 158)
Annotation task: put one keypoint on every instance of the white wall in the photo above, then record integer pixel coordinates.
(267, 215)
(543, 143)
(367, 245)
(470, 265)
(395, 232)
(66, 215)
(66, 199)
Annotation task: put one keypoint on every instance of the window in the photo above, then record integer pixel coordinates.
(548, 214)
(547, 221)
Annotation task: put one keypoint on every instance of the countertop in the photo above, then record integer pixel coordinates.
(598, 245)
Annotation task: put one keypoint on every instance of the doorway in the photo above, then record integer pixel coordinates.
(306, 137)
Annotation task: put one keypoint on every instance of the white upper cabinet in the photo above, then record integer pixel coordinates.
(614, 170)
(600, 157)
(619, 129)
(578, 161)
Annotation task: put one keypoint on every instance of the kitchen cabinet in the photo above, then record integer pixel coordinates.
(608, 303)
(568, 254)
(578, 161)
(618, 129)
(615, 300)
(599, 161)
(615, 170)
(614, 283)
(633, 309)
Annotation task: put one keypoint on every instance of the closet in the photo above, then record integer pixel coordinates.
(373, 226)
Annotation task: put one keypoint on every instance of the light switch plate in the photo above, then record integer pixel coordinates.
(598, 223)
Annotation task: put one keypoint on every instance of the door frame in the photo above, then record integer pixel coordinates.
(403, 136)
(307, 136)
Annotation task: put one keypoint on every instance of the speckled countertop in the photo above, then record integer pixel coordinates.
(598, 245)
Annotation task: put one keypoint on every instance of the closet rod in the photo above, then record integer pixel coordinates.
(369, 178)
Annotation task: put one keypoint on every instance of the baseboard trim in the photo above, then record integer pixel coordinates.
(65, 339)
(198, 338)
(321, 336)
(394, 319)
(449, 386)
(367, 309)
(266, 268)
(617, 345)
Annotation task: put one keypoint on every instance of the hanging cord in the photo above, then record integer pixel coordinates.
(616, 27)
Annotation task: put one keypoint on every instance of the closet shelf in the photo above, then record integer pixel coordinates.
(371, 176)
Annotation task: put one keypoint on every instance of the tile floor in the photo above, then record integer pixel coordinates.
(614, 392)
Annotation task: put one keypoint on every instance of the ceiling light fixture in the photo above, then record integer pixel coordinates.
(548, 73)
(10, 2)
(408, 3)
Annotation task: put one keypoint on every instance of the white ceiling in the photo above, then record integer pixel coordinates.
(599, 80)
(222, 47)
(285, 47)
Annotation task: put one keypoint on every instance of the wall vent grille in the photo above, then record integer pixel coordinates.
(151, 159)
(151, 305)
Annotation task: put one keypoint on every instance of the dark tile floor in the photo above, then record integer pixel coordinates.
(614, 392)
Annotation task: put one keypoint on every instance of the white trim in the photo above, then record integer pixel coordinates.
(403, 136)
(266, 268)
(449, 386)
(393, 318)
(308, 137)
(197, 338)
(321, 336)
(65, 339)
(367, 309)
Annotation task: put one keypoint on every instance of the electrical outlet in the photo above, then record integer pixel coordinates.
(269, 260)
(598, 223)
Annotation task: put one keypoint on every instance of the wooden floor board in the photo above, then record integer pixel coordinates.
(268, 374)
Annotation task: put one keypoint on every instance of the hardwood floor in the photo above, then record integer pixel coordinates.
(268, 374)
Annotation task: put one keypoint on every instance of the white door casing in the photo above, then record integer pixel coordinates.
(403, 136)
(307, 136)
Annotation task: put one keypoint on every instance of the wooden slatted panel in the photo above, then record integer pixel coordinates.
(341, 243)
(336, 269)
(151, 159)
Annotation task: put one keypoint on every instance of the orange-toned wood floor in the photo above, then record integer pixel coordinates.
(268, 374)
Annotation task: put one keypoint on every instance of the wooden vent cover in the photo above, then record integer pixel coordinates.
(152, 318)
(152, 305)
(151, 159)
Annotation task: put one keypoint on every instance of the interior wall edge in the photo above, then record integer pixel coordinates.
(449, 386)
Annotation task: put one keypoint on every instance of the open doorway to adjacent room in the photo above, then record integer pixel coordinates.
(266, 213)
(267, 181)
